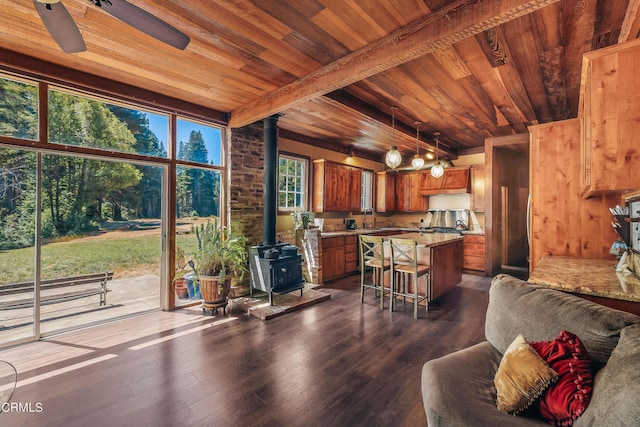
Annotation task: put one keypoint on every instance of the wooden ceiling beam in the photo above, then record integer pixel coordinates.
(631, 23)
(447, 25)
(361, 107)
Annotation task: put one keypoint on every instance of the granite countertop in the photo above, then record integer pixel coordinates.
(429, 239)
(388, 229)
(597, 277)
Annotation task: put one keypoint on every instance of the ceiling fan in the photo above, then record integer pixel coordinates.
(65, 32)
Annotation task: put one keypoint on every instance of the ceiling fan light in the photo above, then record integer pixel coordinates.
(418, 162)
(393, 157)
(437, 170)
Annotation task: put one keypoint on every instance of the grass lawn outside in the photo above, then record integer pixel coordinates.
(126, 254)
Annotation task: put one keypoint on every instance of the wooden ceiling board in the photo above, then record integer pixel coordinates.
(526, 55)
(334, 67)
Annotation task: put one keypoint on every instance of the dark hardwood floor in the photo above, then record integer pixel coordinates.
(339, 363)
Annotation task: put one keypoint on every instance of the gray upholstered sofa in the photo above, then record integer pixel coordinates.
(458, 389)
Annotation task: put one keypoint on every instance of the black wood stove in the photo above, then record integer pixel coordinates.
(274, 266)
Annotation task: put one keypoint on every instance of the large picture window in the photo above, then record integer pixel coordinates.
(18, 109)
(86, 122)
(292, 182)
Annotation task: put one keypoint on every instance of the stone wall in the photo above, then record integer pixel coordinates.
(247, 181)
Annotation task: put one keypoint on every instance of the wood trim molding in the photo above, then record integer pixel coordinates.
(454, 22)
(631, 23)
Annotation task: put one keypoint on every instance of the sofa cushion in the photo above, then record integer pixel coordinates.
(458, 390)
(519, 307)
(616, 387)
(522, 376)
(563, 402)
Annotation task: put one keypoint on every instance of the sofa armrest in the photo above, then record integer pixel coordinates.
(458, 390)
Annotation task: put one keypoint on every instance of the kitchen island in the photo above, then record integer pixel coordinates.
(441, 251)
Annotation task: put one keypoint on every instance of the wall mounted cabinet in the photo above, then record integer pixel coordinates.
(477, 188)
(412, 198)
(454, 181)
(336, 187)
(610, 112)
(385, 192)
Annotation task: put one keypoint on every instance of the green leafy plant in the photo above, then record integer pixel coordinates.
(219, 251)
(302, 219)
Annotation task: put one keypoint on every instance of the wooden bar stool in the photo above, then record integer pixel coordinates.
(404, 262)
(372, 258)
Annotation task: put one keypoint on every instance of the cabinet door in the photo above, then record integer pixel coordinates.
(611, 115)
(337, 183)
(355, 202)
(385, 192)
(477, 188)
(333, 257)
(417, 201)
(429, 184)
(456, 179)
(402, 192)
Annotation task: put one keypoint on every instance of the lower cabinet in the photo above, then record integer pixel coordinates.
(473, 256)
(339, 256)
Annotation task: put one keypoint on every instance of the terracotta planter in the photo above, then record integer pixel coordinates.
(181, 288)
(214, 292)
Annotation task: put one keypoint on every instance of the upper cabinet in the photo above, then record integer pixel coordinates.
(408, 195)
(610, 112)
(336, 187)
(385, 192)
(454, 181)
(477, 188)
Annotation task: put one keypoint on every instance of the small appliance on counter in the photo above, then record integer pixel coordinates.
(350, 224)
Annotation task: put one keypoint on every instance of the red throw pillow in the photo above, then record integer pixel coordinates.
(566, 400)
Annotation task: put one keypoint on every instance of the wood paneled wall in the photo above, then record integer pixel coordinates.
(562, 223)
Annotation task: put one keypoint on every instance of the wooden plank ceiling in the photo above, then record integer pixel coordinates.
(470, 69)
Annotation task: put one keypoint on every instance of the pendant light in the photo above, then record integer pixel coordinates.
(418, 162)
(393, 157)
(437, 170)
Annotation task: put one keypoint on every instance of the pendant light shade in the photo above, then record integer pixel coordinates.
(437, 170)
(393, 157)
(418, 162)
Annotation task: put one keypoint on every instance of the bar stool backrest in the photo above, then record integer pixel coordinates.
(371, 248)
(404, 252)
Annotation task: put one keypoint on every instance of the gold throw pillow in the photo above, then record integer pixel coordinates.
(522, 376)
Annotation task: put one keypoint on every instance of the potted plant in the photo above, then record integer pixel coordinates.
(220, 254)
(180, 282)
(302, 219)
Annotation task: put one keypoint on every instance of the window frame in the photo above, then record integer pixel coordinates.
(306, 177)
(370, 195)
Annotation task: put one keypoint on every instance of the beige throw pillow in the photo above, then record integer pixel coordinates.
(522, 376)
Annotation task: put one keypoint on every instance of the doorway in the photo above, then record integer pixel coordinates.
(508, 246)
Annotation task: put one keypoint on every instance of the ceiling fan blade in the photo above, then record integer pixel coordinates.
(146, 22)
(60, 25)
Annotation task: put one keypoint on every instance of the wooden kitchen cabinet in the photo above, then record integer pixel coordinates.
(333, 258)
(609, 109)
(473, 254)
(336, 187)
(339, 256)
(385, 192)
(477, 188)
(454, 181)
(409, 197)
